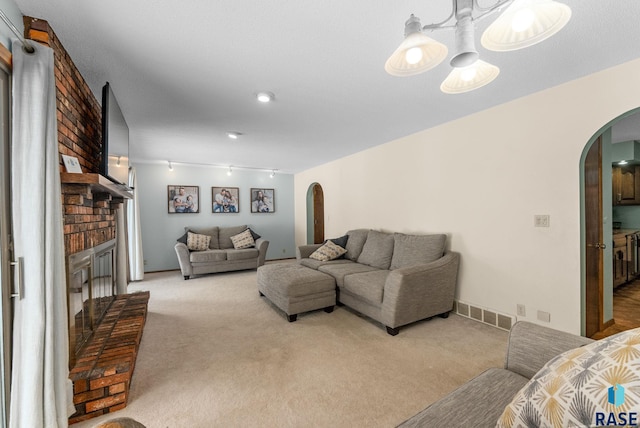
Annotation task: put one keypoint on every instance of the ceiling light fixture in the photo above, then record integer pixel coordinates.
(273, 174)
(118, 162)
(234, 135)
(523, 23)
(623, 162)
(170, 166)
(265, 97)
(229, 172)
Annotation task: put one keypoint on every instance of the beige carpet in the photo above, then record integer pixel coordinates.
(215, 354)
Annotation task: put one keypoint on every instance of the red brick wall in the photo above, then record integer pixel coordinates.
(89, 220)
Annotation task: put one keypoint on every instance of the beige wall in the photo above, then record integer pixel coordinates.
(481, 179)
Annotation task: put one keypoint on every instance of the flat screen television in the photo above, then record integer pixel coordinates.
(115, 139)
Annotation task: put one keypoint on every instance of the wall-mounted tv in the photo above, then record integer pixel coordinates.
(115, 139)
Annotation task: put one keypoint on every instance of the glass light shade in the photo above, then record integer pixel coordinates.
(525, 23)
(464, 79)
(416, 54)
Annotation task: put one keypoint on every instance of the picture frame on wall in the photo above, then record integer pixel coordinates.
(225, 200)
(183, 199)
(263, 201)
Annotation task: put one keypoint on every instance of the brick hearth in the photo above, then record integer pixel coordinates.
(103, 370)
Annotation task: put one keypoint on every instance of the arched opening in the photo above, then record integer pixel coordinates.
(315, 214)
(601, 209)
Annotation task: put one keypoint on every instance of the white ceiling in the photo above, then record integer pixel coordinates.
(186, 72)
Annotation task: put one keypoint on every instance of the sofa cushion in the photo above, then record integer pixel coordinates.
(225, 234)
(340, 270)
(477, 403)
(410, 250)
(208, 256)
(243, 254)
(378, 250)
(367, 285)
(355, 243)
(328, 251)
(211, 231)
(315, 264)
(243, 240)
(197, 242)
(600, 377)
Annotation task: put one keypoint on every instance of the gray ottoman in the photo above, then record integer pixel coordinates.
(296, 289)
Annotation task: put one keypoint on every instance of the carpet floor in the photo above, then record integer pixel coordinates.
(216, 354)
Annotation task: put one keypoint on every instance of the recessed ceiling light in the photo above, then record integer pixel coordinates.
(234, 135)
(623, 162)
(265, 97)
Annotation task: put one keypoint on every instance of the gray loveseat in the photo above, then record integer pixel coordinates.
(221, 255)
(393, 278)
(481, 401)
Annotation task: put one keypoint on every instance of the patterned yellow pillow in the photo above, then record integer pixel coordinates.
(197, 242)
(243, 240)
(586, 386)
(329, 251)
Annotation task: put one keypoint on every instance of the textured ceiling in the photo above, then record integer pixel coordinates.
(186, 72)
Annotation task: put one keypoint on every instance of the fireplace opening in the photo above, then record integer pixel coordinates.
(92, 289)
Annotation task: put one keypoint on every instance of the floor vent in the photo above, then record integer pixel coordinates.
(486, 316)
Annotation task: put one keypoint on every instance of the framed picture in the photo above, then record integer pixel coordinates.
(263, 201)
(71, 164)
(183, 199)
(225, 200)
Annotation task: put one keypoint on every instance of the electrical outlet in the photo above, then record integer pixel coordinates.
(541, 220)
(544, 316)
(521, 310)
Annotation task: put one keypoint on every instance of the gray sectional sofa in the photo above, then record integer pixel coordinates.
(481, 401)
(221, 255)
(393, 278)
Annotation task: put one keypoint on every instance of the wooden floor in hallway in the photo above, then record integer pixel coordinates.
(626, 309)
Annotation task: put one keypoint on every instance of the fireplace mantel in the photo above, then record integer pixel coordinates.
(97, 183)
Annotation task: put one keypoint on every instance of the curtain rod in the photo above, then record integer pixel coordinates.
(25, 45)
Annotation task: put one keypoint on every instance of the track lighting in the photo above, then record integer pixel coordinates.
(170, 166)
(523, 23)
(273, 174)
(229, 172)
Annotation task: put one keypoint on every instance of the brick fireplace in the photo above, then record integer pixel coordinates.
(105, 328)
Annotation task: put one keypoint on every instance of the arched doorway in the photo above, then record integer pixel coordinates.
(597, 223)
(315, 214)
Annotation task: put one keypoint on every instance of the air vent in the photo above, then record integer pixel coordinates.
(486, 316)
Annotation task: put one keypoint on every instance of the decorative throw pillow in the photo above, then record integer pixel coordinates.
(197, 242)
(254, 235)
(328, 251)
(342, 241)
(581, 387)
(183, 239)
(243, 240)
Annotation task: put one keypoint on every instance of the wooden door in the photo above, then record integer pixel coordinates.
(318, 214)
(593, 239)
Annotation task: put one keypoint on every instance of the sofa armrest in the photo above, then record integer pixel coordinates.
(183, 258)
(304, 251)
(262, 245)
(531, 346)
(416, 292)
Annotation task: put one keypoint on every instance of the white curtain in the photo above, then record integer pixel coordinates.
(136, 258)
(41, 392)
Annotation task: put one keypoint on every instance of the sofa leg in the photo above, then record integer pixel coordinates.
(328, 309)
(393, 331)
(292, 318)
(444, 315)
(186, 277)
